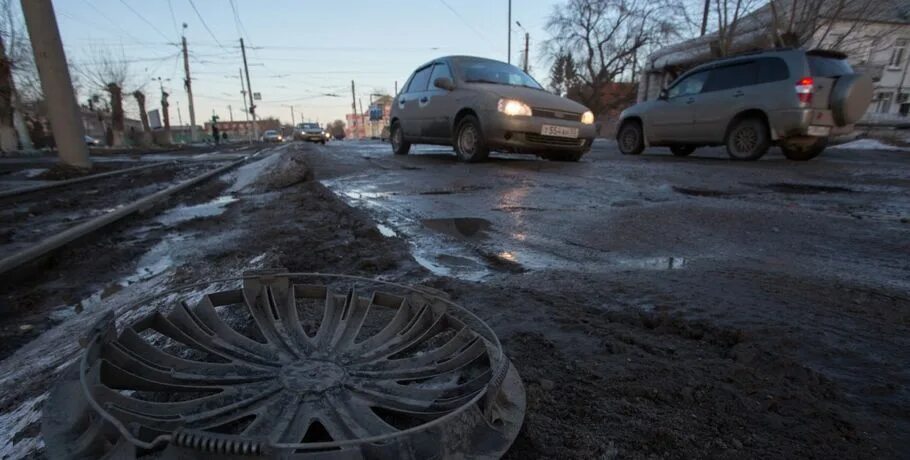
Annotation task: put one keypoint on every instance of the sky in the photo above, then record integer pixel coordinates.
(297, 51)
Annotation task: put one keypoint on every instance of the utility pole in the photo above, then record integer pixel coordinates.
(704, 17)
(231, 112)
(527, 42)
(66, 123)
(293, 123)
(396, 87)
(179, 116)
(353, 108)
(361, 118)
(245, 110)
(509, 50)
(189, 88)
(249, 89)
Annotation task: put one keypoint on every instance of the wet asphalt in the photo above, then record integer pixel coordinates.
(845, 213)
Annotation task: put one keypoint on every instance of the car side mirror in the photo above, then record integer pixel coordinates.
(663, 95)
(444, 83)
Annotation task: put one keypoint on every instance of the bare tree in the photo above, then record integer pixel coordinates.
(18, 71)
(606, 37)
(109, 73)
(143, 116)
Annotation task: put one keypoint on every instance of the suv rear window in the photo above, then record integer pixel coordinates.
(820, 66)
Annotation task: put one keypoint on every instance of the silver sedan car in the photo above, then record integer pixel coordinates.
(480, 105)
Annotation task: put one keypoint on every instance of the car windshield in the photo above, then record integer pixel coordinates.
(308, 126)
(271, 133)
(476, 70)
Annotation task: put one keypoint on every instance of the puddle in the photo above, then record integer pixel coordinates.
(180, 214)
(452, 266)
(386, 231)
(655, 263)
(459, 227)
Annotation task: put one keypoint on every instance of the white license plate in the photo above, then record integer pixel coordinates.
(559, 131)
(819, 130)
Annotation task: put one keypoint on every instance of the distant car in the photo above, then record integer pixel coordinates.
(310, 132)
(272, 136)
(479, 105)
(89, 140)
(793, 98)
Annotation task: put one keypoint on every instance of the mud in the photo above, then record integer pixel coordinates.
(658, 353)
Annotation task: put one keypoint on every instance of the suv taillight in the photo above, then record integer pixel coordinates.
(804, 90)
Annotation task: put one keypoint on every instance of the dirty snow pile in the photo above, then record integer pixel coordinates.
(869, 144)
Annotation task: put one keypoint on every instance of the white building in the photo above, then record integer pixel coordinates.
(876, 43)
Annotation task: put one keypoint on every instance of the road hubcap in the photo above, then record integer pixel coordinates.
(467, 142)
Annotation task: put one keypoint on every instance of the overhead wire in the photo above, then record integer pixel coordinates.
(153, 26)
(173, 17)
(205, 25)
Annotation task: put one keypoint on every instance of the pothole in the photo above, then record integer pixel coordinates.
(806, 189)
(701, 192)
(459, 227)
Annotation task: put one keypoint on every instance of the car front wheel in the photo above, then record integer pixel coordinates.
(630, 138)
(469, 141)
(399, 145)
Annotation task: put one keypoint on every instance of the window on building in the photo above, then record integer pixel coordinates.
(898, 53)
(883, 102)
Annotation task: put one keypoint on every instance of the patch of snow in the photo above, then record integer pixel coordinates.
(247, 174)
(869, 144)
(184, 213)
(17, 420)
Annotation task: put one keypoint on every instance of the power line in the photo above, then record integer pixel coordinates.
(465, 21)
(144, 20)
(173, 17)
(205, 25)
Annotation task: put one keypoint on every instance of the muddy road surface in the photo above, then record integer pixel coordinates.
(655, 307)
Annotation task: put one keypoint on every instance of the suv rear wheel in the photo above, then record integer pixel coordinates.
(469, 142)
(682, 150)
(630, 138)
(748, 139)
(396, 137)
(804, 152)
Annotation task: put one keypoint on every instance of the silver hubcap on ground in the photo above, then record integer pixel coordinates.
(467, 141)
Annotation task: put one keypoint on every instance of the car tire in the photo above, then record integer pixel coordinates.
(399, 145)
(630, 138)
(470, 145)
(681, 150)
(748, 139)
(796, 152)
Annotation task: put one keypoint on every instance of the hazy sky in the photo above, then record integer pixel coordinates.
(297, 50)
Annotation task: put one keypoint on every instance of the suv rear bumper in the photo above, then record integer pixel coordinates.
(796, 122)
(522, 134)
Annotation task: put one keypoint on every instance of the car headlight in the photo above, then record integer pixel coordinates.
(587, 118)
(513, 108)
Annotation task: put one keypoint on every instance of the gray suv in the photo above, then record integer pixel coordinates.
(791, 98)
(478, 105)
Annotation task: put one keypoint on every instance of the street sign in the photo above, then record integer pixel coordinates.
(257, 96)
